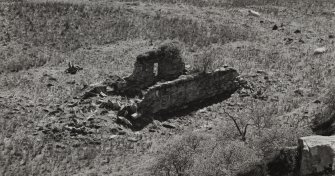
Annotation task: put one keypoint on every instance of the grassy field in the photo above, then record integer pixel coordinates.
(39, 37)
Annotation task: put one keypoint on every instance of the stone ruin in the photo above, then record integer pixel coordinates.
(163, 64)
(159, 83)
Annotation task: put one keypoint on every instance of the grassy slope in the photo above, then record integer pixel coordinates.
(105, 37)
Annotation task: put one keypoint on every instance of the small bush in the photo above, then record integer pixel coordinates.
(178, 156)
(209, 59)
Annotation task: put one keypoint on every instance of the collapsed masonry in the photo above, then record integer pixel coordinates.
(163, 64)
(160, 84)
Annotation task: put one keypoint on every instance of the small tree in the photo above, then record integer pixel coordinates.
(241, 127)
(178, 157)
(208, 60)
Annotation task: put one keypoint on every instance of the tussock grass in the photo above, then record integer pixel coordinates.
(39, 38)
(244, 3)
(56, 26)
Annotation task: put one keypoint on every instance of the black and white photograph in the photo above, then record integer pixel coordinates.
(167, 87)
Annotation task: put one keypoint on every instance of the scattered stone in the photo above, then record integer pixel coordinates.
(105, 161)
(49, 85)
(133, 107)
(95, 142)
(317, 155)
(75, 145)
(133, 139)
(72, 69)
(207, 126)
(115, 106)
(297, 31)
(320, 50)
(113, 136)
(103, 112)
(103, 94)
(95, 90)
(275, 27)
(72, 104)
(261, 72)
(52, 78)
(244, 92)
(39, 128)
(122, 132)
(168, 125)
(299, 92)
(71, 82)
(109, 89)
(114, 130)
(156, 124)
(60, 146)
(254, 13)
(288, 41)
(202, 110)
(135, 116)
(58, 110)
(317, 101)
(152, 130)
(123, 121)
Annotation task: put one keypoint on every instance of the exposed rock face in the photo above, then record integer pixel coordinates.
(317, 155)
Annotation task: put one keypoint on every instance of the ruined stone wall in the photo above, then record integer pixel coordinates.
(169, 62)
(187, 89)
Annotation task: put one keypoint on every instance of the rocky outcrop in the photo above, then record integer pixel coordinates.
(317, 155)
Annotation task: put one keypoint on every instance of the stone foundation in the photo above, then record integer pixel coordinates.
(159, 83)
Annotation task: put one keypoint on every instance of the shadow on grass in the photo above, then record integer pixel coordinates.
(177, 112)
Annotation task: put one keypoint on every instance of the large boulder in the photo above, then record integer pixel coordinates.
(317, 155)
(280, 163)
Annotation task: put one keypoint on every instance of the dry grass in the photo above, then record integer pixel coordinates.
(38, 38)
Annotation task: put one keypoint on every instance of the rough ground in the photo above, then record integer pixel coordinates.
(43, 131)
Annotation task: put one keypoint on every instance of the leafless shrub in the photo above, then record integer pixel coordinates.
(241, 127)
(178, 156)
(208, 60)
(224, 158)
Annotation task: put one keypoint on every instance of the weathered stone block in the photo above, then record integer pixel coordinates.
(317, 155)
